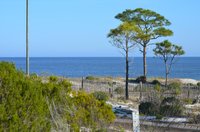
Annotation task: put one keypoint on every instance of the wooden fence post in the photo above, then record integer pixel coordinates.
(82, 83)
(140, 91)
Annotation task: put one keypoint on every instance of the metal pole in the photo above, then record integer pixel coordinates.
(27, 48)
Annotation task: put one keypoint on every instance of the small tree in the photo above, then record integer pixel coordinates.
(168, 51)
(152, 26)
(122, 37)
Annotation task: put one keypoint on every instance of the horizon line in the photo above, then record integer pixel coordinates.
(89, 57)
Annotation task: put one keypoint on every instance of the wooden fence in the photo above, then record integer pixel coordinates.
(146, 92)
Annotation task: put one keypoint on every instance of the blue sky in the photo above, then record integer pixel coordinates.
(78, 28)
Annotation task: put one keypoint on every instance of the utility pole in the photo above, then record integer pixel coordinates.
(27, 46)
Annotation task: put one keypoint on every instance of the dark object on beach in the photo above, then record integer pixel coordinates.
(155, 82)
(142, 79)
(91, 78)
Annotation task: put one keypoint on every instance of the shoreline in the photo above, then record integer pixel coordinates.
(184, 81)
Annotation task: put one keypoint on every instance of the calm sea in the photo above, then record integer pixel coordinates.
(186, 67)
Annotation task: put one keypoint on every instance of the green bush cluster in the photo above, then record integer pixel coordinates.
(89, 112)
(159, 117)
(22, 102)
(157, 87)
(170, 106)
(198, 84)
(156, 82)
(187, 101)
(148, 108)
(101, 96)
(53, 79)
(175, 87)
(91, 78)
(119, 90)
(26, 102)
(191, 84)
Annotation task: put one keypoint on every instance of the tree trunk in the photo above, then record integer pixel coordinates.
(166, 74)
(144, 62)
(166, 80)
(127, 72)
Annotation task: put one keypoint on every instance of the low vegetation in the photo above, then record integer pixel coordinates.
(142, 79)
(196, 119)
(148, 108)
(157, 87)
(101, 96)
(156, 82)
(198, 84)
(32, 104)
(91, 78)
(175, 87)
(170, 106)
(119, 90)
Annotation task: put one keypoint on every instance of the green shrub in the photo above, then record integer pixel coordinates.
(119, 90)
(122, 98)
(142, 79)
(175, 87)
(148, 108)
(198, 84)
(171, 110)
(195, 101)
(157, 87)
(34, 76)
(155, 82)
(25, 104)
(170, 101)
(53, 79)
(187, 101)
(66, 85)
(191, 84)
(171, 106)
(131, 80)
(88, 112)
(91, 78)
(101, 96)
(22, 104)
(159, 117)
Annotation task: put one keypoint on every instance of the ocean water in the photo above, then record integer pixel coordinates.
(185, 67)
